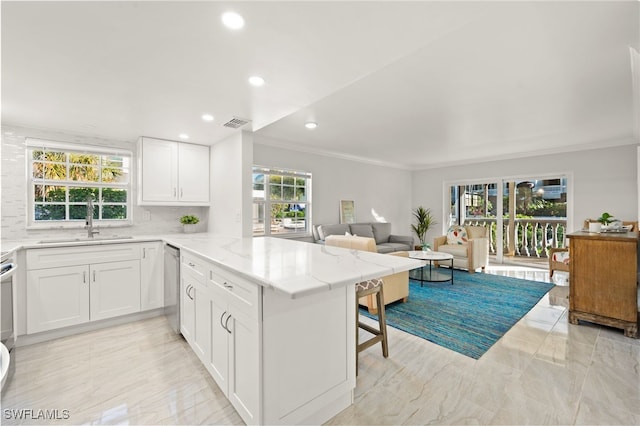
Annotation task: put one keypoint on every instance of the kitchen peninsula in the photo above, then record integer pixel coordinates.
(291, 352)
(272, 320)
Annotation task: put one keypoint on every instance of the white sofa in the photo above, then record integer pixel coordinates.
(469, 246)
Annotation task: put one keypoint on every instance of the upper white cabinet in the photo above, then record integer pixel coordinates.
(172, 173)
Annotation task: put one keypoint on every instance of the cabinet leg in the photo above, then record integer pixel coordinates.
(631, 331)
(573, 319)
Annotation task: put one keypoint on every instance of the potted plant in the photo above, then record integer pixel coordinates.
(189, 223)
(424, 221)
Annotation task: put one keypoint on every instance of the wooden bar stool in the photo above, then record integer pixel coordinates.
(365, 288)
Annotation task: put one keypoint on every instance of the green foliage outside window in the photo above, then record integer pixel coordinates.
(67, 200)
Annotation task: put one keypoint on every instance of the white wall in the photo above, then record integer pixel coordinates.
(14, 191)
(602, 180)
(383, 190)
(231, 191)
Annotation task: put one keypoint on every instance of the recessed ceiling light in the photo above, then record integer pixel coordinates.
(311, 125)
(232, 20)
(184, 136)
(207, 117)
(256, 81)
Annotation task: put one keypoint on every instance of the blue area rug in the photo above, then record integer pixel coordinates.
(469, 316)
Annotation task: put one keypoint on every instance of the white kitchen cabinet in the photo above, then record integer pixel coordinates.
(243, 347)
(193, 173)
(187, 308)
(196, 308)
(235, 342)
(115, 289)
(57, 297)
(74, 285)
(151, 276)
(220, 321)
(172, 173)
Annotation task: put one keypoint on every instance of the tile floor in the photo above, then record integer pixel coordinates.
(543, 371)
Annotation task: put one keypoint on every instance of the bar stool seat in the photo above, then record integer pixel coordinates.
(365, 288)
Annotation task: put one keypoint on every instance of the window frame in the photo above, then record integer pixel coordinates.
(266, 202)
(33, 144)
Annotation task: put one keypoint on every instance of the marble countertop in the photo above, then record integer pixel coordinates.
(292, 267)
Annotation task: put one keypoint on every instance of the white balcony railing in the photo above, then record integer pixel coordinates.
(533, 236)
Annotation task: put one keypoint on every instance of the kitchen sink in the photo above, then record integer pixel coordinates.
(75, 240)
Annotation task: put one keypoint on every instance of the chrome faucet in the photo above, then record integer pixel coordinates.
(89, 219)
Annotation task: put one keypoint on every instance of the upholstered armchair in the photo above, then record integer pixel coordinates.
(558, 260)
(469, 246)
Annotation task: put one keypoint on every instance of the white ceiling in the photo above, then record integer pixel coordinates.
(412, 84)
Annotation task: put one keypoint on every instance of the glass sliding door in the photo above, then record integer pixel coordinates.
(538, 207)
(477, 204)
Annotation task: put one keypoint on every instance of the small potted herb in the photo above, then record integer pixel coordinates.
(189, 223)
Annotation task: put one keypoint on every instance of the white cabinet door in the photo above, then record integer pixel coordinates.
(115, 289)
(173, 173)
(187, 307)
(193, 173)
(151, 276)
(57, 297)
(202, 325)
(244, 365)
(218, 364)
(159, 168)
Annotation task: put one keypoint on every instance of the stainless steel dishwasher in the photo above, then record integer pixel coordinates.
(172, 286)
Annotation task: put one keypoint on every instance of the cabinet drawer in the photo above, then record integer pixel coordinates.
(41, 258)
(194, 265)
(243, 292)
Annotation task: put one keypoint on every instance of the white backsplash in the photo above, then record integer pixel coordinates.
(14, 190)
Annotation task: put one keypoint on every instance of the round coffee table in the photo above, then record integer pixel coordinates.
(432, 275)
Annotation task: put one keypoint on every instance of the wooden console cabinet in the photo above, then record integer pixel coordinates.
(603, 286)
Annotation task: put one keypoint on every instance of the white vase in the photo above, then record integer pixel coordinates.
(189, 228)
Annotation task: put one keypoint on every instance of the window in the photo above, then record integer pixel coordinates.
(62, 177)
(282, 199)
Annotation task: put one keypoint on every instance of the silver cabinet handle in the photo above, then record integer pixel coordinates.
(221, 319)
(84, 277)
(180, 192)
(226, 324)
(94, 276)
(192, 264)
(174, 192)
(189, 287)
(227, 285)
(144, 252)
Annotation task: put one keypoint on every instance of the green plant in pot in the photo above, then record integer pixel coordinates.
(189, 223)
(423, 222)
(605, 218)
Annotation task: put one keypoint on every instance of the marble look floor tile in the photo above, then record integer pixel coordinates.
(542, 371)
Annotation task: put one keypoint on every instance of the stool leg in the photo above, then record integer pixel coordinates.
(382, 323)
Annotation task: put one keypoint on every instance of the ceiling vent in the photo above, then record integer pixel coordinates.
(236, 123)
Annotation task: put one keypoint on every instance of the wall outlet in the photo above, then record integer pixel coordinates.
(146, 215)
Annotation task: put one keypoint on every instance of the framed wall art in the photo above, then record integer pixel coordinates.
(347, 211)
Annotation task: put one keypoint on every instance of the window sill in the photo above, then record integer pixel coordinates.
(79, 225)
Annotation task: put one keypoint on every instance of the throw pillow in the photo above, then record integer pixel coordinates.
(457, 235)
